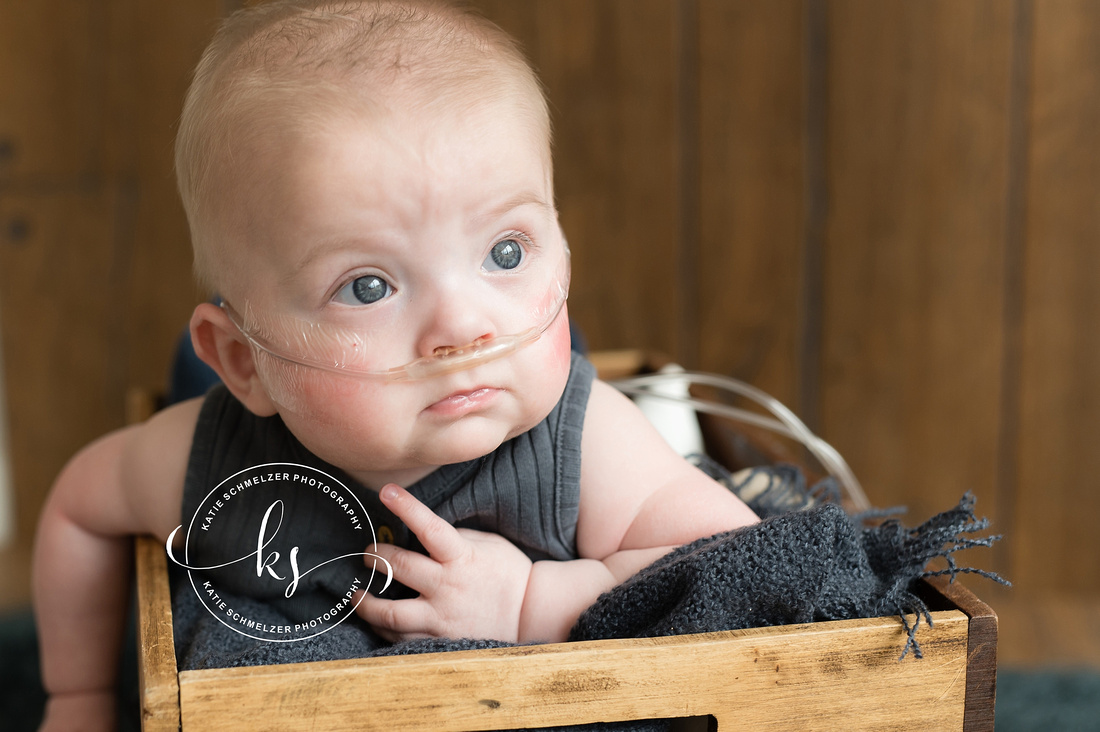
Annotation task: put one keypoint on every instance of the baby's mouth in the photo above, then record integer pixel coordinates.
(464, 402)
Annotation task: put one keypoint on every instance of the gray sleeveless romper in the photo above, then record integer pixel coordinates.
(528, 491)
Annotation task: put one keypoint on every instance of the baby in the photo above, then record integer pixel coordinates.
(369, 187)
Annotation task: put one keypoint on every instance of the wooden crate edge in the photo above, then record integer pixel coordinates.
(159, 680)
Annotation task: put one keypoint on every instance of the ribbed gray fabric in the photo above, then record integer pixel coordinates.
(528, 490)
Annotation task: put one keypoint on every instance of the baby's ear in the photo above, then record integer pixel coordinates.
(222, 347)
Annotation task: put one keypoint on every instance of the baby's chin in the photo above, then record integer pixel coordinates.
(420, 461)
(471, 438)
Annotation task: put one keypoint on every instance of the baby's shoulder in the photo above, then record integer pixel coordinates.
(155, 462)
(131, 480)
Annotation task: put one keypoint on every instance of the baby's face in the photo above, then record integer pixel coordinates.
(378, 242)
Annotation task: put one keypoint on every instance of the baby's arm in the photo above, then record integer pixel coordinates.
(125, 483)
(639, 499)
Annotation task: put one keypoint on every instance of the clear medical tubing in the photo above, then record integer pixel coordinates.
(445, 362)
(784, 422)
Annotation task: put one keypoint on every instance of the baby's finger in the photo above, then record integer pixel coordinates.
(395, 619)
(412, 569)
(388, 635)
(440, 538)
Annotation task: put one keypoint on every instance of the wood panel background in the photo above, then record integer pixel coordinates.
(884, 213)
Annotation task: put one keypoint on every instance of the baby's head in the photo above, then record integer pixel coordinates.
(369, 185)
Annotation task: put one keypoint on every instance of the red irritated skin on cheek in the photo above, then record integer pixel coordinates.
(559, 337)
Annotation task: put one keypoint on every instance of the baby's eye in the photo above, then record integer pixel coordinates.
(505, 254)
(363, 291)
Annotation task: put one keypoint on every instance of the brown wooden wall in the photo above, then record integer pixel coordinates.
(887, 214)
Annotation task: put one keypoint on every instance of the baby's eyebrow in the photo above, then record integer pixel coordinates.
(318, 253)
(525, 198)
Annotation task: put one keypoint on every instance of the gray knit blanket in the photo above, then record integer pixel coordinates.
(806, 561)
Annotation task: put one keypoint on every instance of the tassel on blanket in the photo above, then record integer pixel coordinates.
(894, 551)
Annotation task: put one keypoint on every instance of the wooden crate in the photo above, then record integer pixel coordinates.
(841, 675)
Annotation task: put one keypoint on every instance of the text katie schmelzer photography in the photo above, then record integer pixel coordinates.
(247, 512)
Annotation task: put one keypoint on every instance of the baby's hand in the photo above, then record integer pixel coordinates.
(471, 585)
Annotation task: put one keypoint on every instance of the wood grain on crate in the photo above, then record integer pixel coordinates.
(842, 675)
(160, 704)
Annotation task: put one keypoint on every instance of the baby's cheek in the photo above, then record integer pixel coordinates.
(554, 370)
(311, 393)
(344, 420)
(560, 341)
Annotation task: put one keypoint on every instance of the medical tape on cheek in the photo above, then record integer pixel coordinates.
(303, 342)
(347, 352)
(287, 383)
(290, 353)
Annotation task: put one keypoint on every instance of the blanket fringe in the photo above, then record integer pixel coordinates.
(940, 537)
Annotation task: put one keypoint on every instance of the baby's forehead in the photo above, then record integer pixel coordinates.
(283, 129)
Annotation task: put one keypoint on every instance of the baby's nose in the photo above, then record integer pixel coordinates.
(454, 323)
